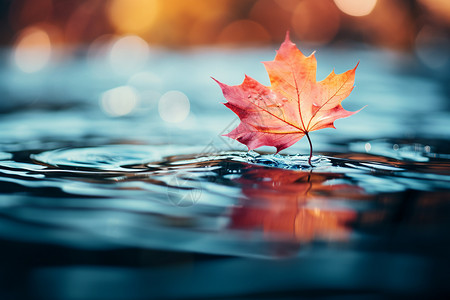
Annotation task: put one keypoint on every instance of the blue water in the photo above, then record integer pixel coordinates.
(94, 206)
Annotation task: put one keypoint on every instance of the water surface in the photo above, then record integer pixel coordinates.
(88, 198)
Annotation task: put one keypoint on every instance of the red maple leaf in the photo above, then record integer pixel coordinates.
(294, 105)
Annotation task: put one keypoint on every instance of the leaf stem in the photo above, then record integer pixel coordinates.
(310, 149)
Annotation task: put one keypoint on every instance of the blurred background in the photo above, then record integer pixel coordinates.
(126, 54)
(108, 116)
(416, 26)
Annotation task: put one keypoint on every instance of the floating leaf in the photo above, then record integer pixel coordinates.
(294, 105)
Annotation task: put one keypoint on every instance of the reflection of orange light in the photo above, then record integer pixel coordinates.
(132, 16)
(325, 224)
(245, 32)
(33, 49)
(316, 21)
(356, 8)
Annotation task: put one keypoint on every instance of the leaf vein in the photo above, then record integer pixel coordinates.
(329, 99)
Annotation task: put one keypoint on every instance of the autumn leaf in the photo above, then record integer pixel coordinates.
(293, 105)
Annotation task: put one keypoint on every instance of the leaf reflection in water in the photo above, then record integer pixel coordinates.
(286, 204)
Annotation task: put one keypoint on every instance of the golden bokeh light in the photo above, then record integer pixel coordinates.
(356, 8)
(33, 49)
(132, 16)
(187, 23)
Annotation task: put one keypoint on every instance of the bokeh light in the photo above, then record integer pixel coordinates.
(132, 16)
(119, 101)
(128, 54)
(201, 27)
(429, 45)
(188, 23)
(356, 8)
(174, 107)
(33, 50)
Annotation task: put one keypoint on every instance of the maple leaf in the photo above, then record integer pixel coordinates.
(294, 105)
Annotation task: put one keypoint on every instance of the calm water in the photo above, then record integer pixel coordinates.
(103, 201)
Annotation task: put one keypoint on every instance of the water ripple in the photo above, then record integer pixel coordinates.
(129, 193)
